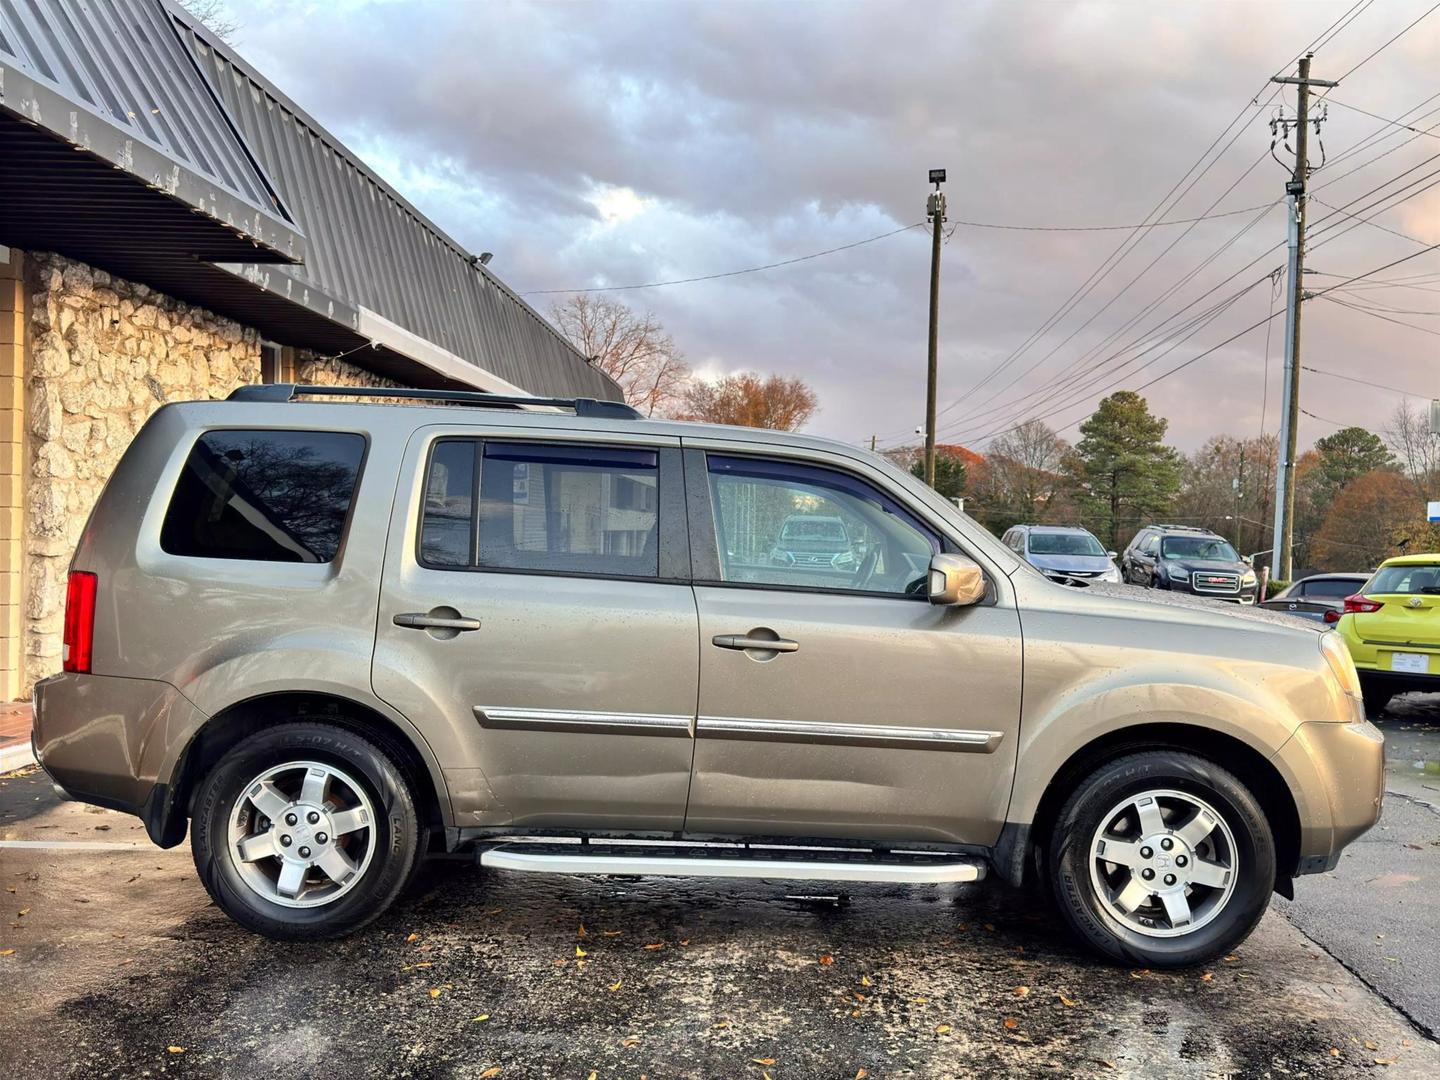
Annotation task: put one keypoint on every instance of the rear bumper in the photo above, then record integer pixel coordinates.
(114, 742)
(1337, 775)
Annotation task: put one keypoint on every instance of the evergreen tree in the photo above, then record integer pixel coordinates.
(1349, 453)
(950, 475)
(1129, 475)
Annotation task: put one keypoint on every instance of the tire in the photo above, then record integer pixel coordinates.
(1377, 696)
(1174, 782)
(359, 782)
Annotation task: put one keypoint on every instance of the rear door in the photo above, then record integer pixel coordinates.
(536, 603)
(835, 701)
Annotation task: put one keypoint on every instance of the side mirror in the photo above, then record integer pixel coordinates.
(1111, 554)
(1247, 560)
(955, 580)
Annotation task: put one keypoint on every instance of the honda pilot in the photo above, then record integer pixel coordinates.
(330, 638)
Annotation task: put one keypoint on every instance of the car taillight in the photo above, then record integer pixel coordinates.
(1360, 604)
(1332, 616)
(79, 620)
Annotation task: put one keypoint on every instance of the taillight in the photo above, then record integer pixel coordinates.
(79, 620)
(1332, 616)
(1360, 604)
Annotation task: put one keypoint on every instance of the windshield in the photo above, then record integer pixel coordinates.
(813, 529)
(1197, 547)
(1422, 578)
(1058, 543)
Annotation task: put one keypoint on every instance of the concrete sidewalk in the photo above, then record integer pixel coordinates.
(15, 720)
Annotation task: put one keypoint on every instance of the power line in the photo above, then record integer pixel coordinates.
(1377, 315)
(1377, 116)
(1387, 44)
(1378, 269)
(1362, 382)
(732, 273)
(1110, 228)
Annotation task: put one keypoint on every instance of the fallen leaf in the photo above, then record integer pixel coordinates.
(480, 1019)
(656, 945)
(685, 941)
(1209, 976)
(616, 985)
(1232, 959)
(412, 937)
(865, 981)
(1140, 974)
(855, 1014)
(720, 1024)
(582, 932)
(1384, 1061)
(942, 1029)
(858, 995)
(990, 926)
(176, 1049)
(825, 960)
(610, 933)
(434, 991)
(1021, 991)
(1334, 1051)
(631, 1041)
(593, 1075)
(919, 1001)
(580, 952)
(494, 1070)
(1371, 1045)
(763, 1061)
(1069, 1003)
(7, 952)
(23, 911)
(1107, 1064)
(493, 911)
(1011, 1023)
(861, 1074)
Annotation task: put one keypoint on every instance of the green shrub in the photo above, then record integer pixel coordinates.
(1275, 587)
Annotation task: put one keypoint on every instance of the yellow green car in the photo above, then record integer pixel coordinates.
(1392, 626)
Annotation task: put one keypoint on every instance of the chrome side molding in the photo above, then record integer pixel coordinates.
(893, 736)
(582, 861)
(597, 723)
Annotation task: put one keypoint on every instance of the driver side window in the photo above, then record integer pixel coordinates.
(791, 525)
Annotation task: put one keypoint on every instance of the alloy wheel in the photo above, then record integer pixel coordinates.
(1163, 863)
(302, 834)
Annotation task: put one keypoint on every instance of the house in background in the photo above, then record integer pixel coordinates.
(171, 227)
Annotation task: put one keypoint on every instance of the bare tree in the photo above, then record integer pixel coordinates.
(1025, 466)
(215, 16)
(1417, 449)
(631, 348)
(748, 400)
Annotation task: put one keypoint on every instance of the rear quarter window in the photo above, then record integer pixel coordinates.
(270, 496)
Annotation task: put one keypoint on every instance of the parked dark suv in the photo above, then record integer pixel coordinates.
(1186, 559)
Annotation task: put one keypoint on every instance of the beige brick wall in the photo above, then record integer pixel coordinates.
(12, 473)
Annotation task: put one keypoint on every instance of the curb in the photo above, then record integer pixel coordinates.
(15, 757)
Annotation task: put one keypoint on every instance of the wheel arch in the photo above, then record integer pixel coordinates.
(235, 722)
(1020, 851)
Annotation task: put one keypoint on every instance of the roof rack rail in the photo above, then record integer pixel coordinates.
(581, 406)
(1184, 528)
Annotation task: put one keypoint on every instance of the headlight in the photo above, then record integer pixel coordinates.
(1177, 573)
(1248, 578)
(1111, 575)
(1337, 656)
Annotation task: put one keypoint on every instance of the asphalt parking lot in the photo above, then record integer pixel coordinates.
(122, 967)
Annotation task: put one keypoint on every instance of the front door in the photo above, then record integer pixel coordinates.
(835, 701)
(536, 621)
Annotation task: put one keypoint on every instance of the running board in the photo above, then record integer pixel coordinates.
(832, 866)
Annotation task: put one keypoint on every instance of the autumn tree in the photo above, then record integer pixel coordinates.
(1359, 529)
(633, 349)
(1228, 485)
(748, 400)
(1129, 474)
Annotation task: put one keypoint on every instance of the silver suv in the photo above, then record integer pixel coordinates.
(330, 638)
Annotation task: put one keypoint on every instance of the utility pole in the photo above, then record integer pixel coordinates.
(872, 444)
(1281, 557)
(935, 210)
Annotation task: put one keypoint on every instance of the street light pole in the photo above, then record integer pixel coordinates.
(935, 210)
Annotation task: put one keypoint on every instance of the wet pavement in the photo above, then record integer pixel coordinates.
(122, 967)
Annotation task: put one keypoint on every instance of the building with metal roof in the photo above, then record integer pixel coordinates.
(134, 140)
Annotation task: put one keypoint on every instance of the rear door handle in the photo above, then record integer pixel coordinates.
(416, 620)
(762, 644)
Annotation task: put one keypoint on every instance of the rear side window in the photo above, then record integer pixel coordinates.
(542, 508)
(272, 496)
(1422, 578)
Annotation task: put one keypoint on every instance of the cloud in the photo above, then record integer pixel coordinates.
(613, 143)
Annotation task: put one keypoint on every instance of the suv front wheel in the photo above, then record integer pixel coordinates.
(305, 830)
(1162, 859)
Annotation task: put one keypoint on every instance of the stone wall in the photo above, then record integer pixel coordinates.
(105, 354)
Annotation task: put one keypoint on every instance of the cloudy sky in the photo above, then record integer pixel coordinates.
(601, 144)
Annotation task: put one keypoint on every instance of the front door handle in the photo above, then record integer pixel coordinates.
(416, 620)
(749, 641)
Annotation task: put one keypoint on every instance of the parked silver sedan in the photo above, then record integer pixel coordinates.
(1318, 598)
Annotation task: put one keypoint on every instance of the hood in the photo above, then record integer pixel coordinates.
(1140, 600)
(1065, 564)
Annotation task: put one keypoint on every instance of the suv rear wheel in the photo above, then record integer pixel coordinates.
(1162, 859)
(305, 830)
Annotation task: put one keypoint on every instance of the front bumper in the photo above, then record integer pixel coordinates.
(114, 742)
(1336, 773)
